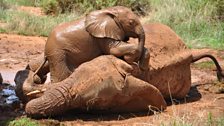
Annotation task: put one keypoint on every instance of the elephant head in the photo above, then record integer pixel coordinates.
(118, 23)
(25, 84)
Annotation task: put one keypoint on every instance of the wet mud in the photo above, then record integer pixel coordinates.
(16, 51)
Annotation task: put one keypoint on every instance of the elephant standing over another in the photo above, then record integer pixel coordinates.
(105, 83)
(100, 32)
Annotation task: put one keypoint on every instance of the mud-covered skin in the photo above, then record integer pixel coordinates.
(170, 61)
(99, 32)
(101, 84)
(169, 72)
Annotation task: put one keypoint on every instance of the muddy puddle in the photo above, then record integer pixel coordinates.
(8, 76)
(8, 98)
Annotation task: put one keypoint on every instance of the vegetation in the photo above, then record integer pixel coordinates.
(26, 24)
(204, 65)
(23, 121)
(83, 6)
(199, 23)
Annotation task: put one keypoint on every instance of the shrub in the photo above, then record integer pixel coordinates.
(219, 9)
(3, 5)
(141, 7)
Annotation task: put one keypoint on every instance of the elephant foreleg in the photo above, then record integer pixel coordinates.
(131, 54)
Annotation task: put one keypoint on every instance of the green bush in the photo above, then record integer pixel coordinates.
(219, 13)
(141, 7)
(3, 5)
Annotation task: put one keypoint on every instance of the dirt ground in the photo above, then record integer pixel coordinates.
(16, 51)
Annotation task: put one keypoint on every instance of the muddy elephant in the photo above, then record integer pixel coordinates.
(170, 61)
(103, 84)
(169, 75)
(99, 32)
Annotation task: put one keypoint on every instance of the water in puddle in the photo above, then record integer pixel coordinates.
(8, 76)
(7, 89)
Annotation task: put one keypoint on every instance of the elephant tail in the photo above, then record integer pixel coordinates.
(199, 54)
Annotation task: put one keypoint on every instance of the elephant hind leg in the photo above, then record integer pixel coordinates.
(59, 69)
(42, 73)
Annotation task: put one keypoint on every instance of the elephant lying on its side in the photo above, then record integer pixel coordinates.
(169, 74)
(101, 84)
(170, 61)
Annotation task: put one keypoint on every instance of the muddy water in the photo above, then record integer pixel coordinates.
(8, 76)
(8, 96)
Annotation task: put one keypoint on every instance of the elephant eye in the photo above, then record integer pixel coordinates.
(131, 22)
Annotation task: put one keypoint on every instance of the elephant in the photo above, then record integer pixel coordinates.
(110, 88)
(101, 32)
(168, 76)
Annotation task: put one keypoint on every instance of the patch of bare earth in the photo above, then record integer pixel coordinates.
(16, 51)
(31, 10)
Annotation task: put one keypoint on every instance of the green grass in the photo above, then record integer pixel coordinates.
(24, 121)
(194, 21)
(199, 23)
(204, 65)
(26, 24)
(22, 2)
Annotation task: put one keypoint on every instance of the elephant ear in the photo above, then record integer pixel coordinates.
(104, 24)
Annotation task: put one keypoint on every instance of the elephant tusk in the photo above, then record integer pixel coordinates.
(36, 92)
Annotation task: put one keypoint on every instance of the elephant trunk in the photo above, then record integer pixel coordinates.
(141, 38)
(53, 102)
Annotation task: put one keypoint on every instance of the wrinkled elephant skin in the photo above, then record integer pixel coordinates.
(100, 32)
(101, 84)
(170, 61)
